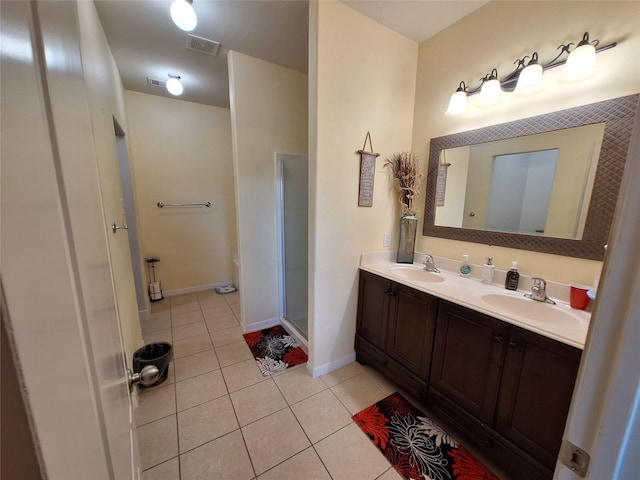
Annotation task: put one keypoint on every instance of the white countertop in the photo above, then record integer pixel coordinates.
(469, 291)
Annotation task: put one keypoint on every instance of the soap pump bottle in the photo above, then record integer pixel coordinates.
(465, 267)
(511, 283)
(487, 271)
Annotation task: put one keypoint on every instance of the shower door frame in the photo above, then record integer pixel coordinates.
(279, 158)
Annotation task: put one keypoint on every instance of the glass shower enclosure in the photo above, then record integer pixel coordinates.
(292, 174)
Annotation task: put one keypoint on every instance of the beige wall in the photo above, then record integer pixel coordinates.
(269, 115)
(181, 153)
(106, 103)
(493, 37)
(363, 79)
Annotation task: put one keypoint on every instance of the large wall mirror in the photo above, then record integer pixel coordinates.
(548, 183)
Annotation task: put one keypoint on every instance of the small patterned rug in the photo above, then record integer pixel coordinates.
(274, 350)
(416, 447)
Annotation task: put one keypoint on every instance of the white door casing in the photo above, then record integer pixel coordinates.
(604, 418)
(55, 262)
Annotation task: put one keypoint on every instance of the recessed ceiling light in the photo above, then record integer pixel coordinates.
(174, 85)
(183, 15)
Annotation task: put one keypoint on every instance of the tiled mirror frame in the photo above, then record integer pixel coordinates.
(619, 115)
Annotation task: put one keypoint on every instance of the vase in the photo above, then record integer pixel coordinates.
(407, 243)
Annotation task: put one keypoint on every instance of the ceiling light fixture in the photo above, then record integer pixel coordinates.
(174, 85)
(527, 77)
(183, 15)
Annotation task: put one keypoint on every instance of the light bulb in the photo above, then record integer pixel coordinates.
(458, 102)
(174, 85)
(581, 63)
(530, 80)
(183, 15)
(490, 91)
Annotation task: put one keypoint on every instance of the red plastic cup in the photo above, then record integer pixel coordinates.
(579, 298)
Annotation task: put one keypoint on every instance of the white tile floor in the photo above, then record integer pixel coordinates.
(217, 417)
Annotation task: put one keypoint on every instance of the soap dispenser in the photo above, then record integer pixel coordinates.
(487, 271)
(511, 283)
(465, 267)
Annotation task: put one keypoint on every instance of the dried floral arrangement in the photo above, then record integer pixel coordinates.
(406, 179)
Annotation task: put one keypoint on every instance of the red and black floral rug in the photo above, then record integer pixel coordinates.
(416, 446)
(274, 350)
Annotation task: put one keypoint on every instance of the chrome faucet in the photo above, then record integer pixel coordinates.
(539, 292)
(429, 264)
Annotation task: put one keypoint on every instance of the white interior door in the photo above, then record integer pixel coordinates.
(55, 264)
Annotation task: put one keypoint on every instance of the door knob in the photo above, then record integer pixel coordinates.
(148, 376)
(115, 228)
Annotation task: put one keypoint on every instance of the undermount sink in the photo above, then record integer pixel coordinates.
(415, 273)
(531, 309)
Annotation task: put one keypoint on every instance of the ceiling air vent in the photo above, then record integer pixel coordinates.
(156, 83)
(203, 45)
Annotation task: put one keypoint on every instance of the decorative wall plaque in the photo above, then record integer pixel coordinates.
(367, 174)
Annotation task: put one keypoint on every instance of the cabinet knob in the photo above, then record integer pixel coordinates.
(514, 344)
(498, 339)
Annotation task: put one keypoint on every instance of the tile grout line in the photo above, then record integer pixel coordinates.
(175, 400)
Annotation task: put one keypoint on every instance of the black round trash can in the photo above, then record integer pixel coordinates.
(159, 354)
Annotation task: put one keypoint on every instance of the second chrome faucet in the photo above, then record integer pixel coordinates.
(539, 291)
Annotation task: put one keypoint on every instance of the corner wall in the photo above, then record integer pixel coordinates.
(268, 116)
(362, 79)
(181, 153)
(492, 37)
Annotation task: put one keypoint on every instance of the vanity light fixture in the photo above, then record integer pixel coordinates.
(174, 85)
(581, 63)
(183, 15)
(458, 102)
(530, 78)
(490, 90)
(527, 77)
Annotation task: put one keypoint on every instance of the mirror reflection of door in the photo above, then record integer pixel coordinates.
(473, 175)
(520, 191)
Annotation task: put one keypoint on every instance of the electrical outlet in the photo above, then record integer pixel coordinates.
(386, 242)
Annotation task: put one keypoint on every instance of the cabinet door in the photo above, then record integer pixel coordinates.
(373, 308)
(537, 386)
(412, 320)
(467, 359)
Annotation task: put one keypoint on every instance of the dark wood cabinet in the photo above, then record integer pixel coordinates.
(535, 395)
(394, 331)
(373, 308)
(507, 388)
(412, 321)
(468, 358)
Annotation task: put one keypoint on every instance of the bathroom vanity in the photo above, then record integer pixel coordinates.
(496, 366)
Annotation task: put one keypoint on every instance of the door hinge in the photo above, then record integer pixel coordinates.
(574, 458)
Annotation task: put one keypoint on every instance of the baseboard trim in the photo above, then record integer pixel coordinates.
(197, 288)
(331, 366)
(257, 326)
